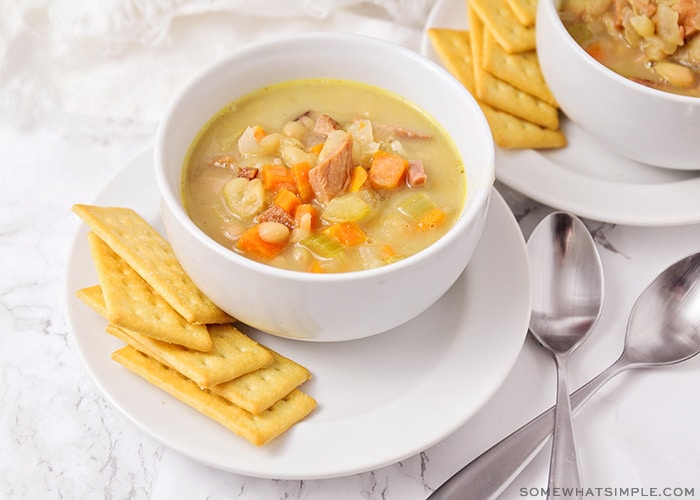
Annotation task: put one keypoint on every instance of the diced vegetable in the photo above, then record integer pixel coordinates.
(348, 233)
(387, 170)
(287, 200)
(306, 217)
(316, 267)
(347, 208)
(642, 25)
(432, 219)
(251, 243)
(363, 141)
(398, 148)
(276, 176)
(386, 252)
(416, 205)
(244, 198)
(580, 32)
(334, 141)
(595, 51)
(300, 172)
(248, 142)
(358, 179)
(323, 244)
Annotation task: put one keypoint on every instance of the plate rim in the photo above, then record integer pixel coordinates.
(76, 311)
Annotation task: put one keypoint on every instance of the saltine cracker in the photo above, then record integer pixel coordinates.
(502, 22)
(152, 257)
(257, 429)
(131, 303)
(233, 354)
(521, 70)
(502, 95)
(258, 390)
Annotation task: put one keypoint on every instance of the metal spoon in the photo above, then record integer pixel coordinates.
(663, 329)
(567, 298)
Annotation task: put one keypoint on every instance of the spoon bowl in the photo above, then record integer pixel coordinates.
(664, 326)
(663, 329)
(567, 282)
(567, 299)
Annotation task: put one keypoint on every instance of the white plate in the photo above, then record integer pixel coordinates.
(585, 178)
(381, 399)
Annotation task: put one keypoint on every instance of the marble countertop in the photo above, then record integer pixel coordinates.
(60, 436)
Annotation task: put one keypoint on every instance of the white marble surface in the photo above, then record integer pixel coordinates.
(60, 438)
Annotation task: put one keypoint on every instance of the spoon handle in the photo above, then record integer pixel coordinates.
(490, 473)
(564, 475)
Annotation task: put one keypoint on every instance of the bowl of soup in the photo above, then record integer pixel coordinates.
(628, 73)
(324, 187)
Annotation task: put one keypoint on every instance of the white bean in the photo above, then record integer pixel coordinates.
(675, 74)
(295, 129)
(273, 232)
(291, 155)
(270, 143)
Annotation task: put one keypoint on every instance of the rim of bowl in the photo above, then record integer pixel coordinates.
(552, 7)
(469, 212)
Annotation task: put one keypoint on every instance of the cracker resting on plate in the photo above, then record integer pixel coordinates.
(212, 366)
(504, 77)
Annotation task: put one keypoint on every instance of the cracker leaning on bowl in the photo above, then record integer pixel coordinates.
(503, 75)
(213, 367)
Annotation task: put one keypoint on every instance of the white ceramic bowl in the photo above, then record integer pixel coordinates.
(647, 125)
(325, 307)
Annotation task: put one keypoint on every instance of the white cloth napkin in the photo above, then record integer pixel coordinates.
(110, 67)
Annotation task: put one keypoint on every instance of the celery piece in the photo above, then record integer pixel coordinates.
(323, 244)
(347, 208)
(580, 32)
(416, 205)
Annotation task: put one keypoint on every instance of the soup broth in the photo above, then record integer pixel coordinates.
(653, 42)
(323, 175)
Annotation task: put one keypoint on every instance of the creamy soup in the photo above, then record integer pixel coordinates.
(653, 42)
(323, 176)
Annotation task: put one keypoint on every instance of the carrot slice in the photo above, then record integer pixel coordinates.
(316, 267)
(287, 200)
(348, 233)
(276, 177)
(387, 170)
(258, 132)
(306, 217)
(431, 219)
(300, 172)
(253, 245)
(596, 51)
(386, 252)
(358, 179)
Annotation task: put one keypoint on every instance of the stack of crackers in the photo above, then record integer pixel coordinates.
(178, 340)
(496, 60)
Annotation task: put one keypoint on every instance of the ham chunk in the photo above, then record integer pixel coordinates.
(416, 175)
(331, 176)
(277, 214)
(325, 125)
(385, 132)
